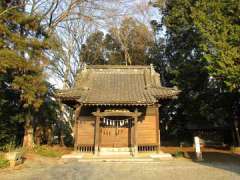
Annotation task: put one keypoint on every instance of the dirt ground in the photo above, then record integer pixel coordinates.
(217, 165)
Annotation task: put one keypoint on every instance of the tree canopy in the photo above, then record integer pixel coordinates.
(218, 24)
(127, 44)
(202, 55)
(22, 78)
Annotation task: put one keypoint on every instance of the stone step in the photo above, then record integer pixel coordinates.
(72, 156)
(162, 156)
(115, 159)
(112, 153)
(122, 149)
(105, 151)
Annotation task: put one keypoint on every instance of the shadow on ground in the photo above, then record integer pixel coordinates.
(221, 160)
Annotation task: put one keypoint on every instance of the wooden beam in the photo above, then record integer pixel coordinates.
(77, 113)
(158, 128)
(97, 132)
(135, 142)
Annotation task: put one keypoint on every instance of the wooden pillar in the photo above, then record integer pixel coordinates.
(77, 113)
(97, 127)
(135, 142)
(158, 128)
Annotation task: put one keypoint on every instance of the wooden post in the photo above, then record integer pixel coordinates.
(198, 148)
(97, 126)
(135, 143)
(158, 129)
(77, 113)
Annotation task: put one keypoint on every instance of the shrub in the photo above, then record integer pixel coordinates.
(178, 154)
(3, 162)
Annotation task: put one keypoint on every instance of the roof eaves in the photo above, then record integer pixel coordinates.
(117, 67)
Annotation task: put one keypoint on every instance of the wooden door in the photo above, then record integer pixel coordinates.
(114, 135)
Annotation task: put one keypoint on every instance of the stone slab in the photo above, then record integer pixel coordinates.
(114, 153)
(117, 160)
(162, 156)
(72, 156)
(123, 149)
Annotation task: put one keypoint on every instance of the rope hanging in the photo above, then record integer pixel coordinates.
(116, 122)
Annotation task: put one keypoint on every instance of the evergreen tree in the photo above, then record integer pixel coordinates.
(93, 50)
(201, 54)
(219, 26)
(22, 61)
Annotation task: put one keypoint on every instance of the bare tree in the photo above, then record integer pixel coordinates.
(72, 21)
(133, 36)
(66, 58)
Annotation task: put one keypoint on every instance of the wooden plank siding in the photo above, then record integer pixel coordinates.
(147, 130)
(111, 137)
(86, 128)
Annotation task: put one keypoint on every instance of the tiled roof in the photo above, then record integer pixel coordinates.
(109, 84)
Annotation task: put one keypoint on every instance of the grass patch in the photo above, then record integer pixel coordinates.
(48, 151)
(178, 154)
(3, 162)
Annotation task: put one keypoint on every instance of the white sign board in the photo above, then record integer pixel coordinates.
(197, 144)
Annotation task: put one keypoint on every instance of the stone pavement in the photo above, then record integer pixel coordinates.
(166, 170)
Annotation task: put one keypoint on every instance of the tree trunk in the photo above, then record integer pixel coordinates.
(49, 136)
(28, 142)
(62, 138)
(37, 136)
(237, 131)
(233, 137)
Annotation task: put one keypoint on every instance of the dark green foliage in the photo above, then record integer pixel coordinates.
(219, 27)
(200, 57)
(22, 54)
(92, 50)
(46, 116)
(23, 89)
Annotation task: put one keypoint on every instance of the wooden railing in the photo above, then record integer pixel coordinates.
(85, 148)
(141, 148)
(147, 148)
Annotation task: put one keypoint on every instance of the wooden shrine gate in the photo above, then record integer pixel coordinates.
(115, 133)
(110, 134)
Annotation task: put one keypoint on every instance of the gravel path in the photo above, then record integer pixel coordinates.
(166, 170)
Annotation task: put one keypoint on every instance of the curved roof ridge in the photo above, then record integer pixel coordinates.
(118, 66)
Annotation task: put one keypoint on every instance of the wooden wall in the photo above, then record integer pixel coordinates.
(86, 128)
(147, 129)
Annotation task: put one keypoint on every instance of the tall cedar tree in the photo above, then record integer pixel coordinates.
(22, 61)
(219, 25)
(202, 41)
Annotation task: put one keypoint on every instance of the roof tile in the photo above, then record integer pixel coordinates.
(117, 85)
